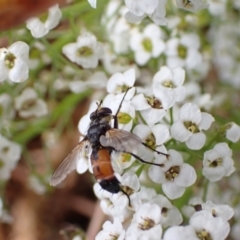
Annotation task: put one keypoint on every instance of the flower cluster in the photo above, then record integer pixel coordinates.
(148, 116)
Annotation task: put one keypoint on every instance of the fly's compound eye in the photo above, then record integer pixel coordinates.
(102, 112)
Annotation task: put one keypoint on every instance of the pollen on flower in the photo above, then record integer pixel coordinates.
(147, 224)
(187, 4)
(124, 118)
(147, 44)
(204, 235)
(168, 84)
(28, 104)
(172, 173)
(84, 51)
(5, 149)
(154, 102)
(127, 190)
(122, 88)
(10, 60)
(125, 157)
(216, 163)
(151, 141)
(192, 127)
(182, 51)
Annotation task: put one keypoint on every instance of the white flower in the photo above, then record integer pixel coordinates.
(173, 174)
(205, 224)
(118, 83)
(151, 108)
(29, 105)
(85, 52)
(152, 136)
(126, 114)
(167, 85)
(158, 16)
(121, 160)
(130, 185)
(13, 62)
(219, 210)
(184, 52)
(192, 5)
(147, 44)
(10, 153)
(233, 132)
(218, 162)
(194, 204)
(171, 216)
(38, 28)
(96, 81)
(140, 7)
(189, 125)
(111, 231)
(180, 233)
(145, 223)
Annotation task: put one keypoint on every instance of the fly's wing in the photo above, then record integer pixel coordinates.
(120, 140)
(70, 162)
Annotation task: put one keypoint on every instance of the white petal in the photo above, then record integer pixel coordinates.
(196, 141)
(156, 174)
(178, 76)
(70, 50)
(142, 57)
(54, 16)
(206, 121)
(179, 132)
(139, 102)
(180, 93)
(93, 3)
(172, 190)
(3, 71)
(190, 112)
(213, 174)
(187, 176)
(132, 18)
(82, 165)
(19, 72)
(129, 77)
(153, 115)
(139, 8)
(20, 49)
(223, 149)
(161, 133)
(37, 27)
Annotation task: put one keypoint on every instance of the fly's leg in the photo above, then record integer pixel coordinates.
(146, 162)
(165, 154)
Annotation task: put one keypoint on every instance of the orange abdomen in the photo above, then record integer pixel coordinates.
(101, 164)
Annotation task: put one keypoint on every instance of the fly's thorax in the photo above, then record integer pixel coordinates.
(96, 130)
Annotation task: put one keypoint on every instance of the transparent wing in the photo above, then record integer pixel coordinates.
(120, 140)
(70, 162)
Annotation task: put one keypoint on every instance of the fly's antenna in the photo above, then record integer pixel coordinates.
(119, 107)
(99, 105)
